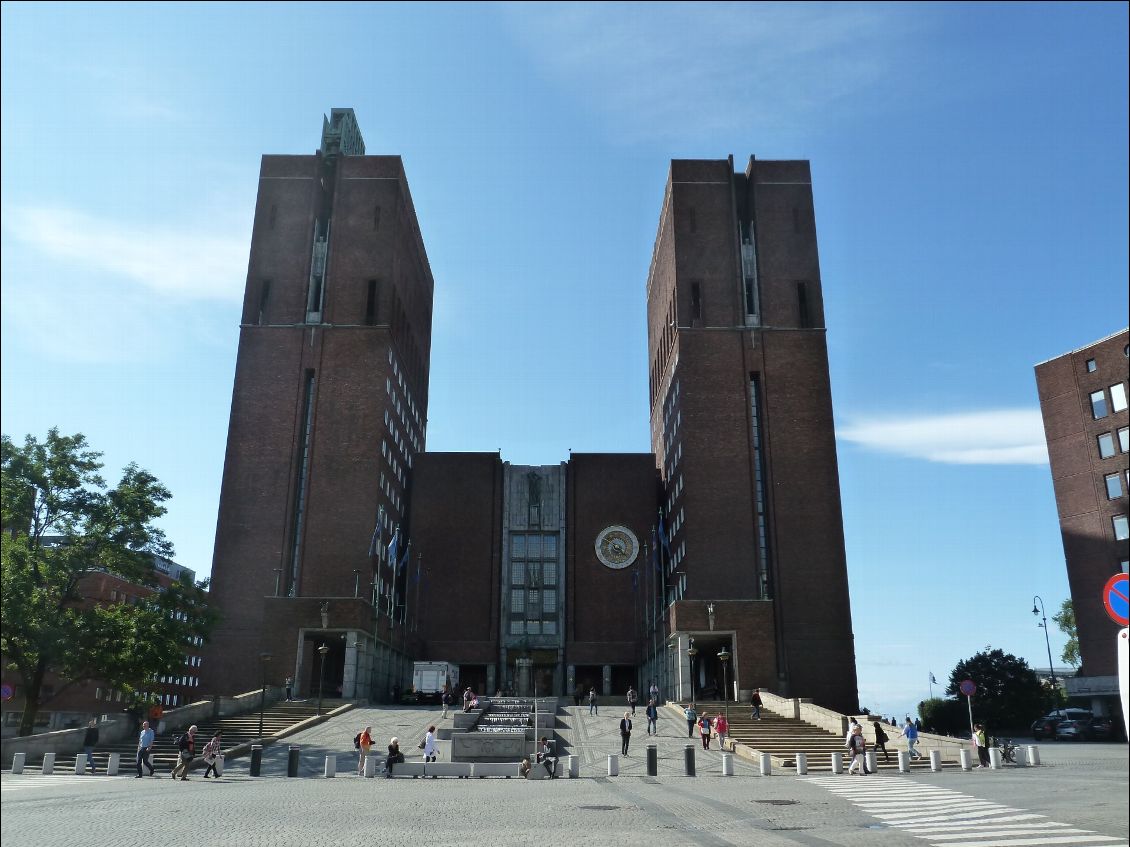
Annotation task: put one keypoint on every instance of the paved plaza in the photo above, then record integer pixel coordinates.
(1078, 797)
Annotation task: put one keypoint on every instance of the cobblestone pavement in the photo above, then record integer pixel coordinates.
(630, 809)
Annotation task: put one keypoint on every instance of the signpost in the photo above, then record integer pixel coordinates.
(969, 688)
(1116, 599)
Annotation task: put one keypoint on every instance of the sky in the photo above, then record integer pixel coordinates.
(970, 179)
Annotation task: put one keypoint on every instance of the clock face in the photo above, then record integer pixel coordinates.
(617, 547)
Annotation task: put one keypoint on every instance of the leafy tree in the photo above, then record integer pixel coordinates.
(945, 717)
(62, 525)
(1065, 620)
(1009, 694)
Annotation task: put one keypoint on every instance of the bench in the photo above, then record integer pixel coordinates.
(505, 769)
(461, 770)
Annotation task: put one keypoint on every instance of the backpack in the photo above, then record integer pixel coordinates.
(357, 741)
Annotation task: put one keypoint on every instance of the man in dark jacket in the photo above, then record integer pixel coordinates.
(89, 740)
(187, 747)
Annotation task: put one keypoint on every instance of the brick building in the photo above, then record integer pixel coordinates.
(1084, 405)
(603, 570)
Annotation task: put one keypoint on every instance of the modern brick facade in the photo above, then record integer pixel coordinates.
(1083, 398)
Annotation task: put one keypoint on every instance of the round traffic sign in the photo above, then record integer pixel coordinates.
(1116, 598)
(968, 688)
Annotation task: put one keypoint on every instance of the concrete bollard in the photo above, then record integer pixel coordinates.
(801, 764)
(995, 758)
(80, 764)
(1019, 757)
(837, 763)
(871, 761)
(18, 761)
(1034, 755)
(292, 761)
(370, 766)
(613, 764)
(331, 767)
(904, 761)
(256, 759)
(727, 764)
(965, 758)
(48, 764)
(935, 760)
(766, 764)
(688, 760)
(652, 760)
(114, 764)
(574, 767)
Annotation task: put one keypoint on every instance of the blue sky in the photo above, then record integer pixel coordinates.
(970, 178)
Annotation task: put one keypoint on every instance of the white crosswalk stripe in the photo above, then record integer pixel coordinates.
(949, 818)
(24, 781)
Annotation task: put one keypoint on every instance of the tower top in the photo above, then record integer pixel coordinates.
(340, 134)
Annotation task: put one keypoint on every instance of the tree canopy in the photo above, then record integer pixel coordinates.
(62, 525)
(1009, 694)
(1065, 620)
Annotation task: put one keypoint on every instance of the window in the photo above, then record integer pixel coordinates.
(1123, 439)
(1118, 397)
(1091, 366)
(1098, 404)
(1106, 445)
(517, 600)
(1124, 564)
(1121, 527)
(1113, 486)
(517, 627)
(802, 305)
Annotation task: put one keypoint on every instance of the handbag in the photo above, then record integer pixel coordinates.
(421, 745)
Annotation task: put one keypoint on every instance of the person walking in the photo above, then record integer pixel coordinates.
(692, 718)
(755, 704)
(704, 727)
(852, 724)
(633, 698)
(144, 748)
(721, 728)
(364, 744)
(446, 700)
(289, 688)
(430, 745)
(187, 747)
(982, 743)
(881, 740)
(592, 702)
(652, 712)
(625, 733)
(210, 754)
(89, 740)
(653, 692)
(857, 745)
(910, 733)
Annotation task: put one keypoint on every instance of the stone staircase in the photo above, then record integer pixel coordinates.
(502, 730)
(239, 732)
(783, 738)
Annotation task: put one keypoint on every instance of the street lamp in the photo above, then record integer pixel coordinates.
(692, 651)
(724, 658)
(263, 659)
(1043, 616)
(322, 651)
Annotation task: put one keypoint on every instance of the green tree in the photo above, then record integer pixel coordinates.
(944, 717)
(61, 524)
(1065, 620)
(1009, 694)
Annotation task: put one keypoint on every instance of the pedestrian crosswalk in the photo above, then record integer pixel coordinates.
(22, 782)
(948, 818)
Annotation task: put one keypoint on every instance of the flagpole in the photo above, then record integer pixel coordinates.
(931, 685)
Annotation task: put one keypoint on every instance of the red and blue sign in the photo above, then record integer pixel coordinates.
(1116, 598)
(968, 688)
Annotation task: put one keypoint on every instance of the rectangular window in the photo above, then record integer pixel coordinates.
(1118, 397)
(1106, 445)
(517, 600)
(549, 547)
(533, 549)
(550, 627)
(517, 573)
(534, 608)
(549, 573)
(1121, 527)
(1113, 486)
(549, 601)
(517, 627)
(802, 305)
(533, 627)
(1091, 366)
(1124, 439)
(1098, 404)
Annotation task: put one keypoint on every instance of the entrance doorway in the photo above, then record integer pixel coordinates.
(330, 671)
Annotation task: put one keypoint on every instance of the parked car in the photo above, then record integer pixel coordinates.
(1084, 729)
(1046, 726)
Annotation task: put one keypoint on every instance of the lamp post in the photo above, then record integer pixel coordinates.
(724, 658)
(1043, 616)
(322, 651)
(263, 659)
(692, 651)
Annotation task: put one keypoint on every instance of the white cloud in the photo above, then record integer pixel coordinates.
(997, 437)
(185, 264)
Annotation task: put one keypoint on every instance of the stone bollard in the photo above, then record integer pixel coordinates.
(766, 764)
(995, 758)
(574, 767)
(256, 759)
(18, 762)
(1034, 755)
(965, 758)
(727, 764)
(837, 763)
(80, 764)
(871, 761)
(904, 761)
(801, 764)
(1019, 757)
(613, 764)
(652, 760)
(688, 760)
(292, 761)
(331, 767)
(48, 764)
(370, 766)
(935, 760)
(114, 764)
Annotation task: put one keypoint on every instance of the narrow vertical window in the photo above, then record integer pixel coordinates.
(759, 489)
(1098, 404)
(264, 300)
(1118, 397)
(302, 474)
(1091, 366)
(802, 305)
(371, 303)
(696, 301)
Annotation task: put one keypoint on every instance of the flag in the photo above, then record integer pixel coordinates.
(663, 536)
(394, 546)
(655, 553)
(404, 557)
(375, 541)
(932, 680)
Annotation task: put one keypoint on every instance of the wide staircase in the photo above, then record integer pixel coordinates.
(783, 738)
(237, 730)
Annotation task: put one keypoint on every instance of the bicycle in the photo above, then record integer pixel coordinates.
(1007, 748)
